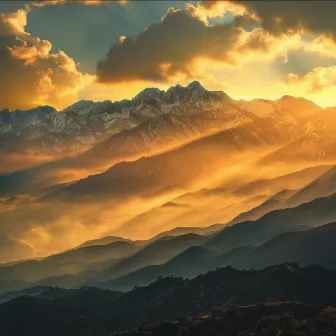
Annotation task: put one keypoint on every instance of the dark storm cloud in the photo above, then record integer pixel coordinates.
(280, 17)
(167, 48)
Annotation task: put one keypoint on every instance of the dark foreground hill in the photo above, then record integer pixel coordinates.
(278, 318)
(96, 312)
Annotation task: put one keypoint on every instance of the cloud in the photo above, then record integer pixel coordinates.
(315, 81)
(280, 17)
(61, 2)
(30, 74)
(322, 45)
(185, 45)
(170, 47)
(214, 9)
(39, 4)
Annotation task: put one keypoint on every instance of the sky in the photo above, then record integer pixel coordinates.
(59, 51)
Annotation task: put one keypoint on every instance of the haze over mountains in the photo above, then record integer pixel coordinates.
(200, 200)
(186, 157)
(109, 197)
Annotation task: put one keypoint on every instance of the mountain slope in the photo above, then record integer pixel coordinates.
(179, 231)
(79, 267)
(191, 262)
(316, 142)
(273, 203)
(315, 246)
(155, 253)
(293, 180)
(155, 171)
(317, 212)
(103, 241)
(325, 185)
(70, 262)
(320, 186)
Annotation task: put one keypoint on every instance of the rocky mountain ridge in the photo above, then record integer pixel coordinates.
(85, 123)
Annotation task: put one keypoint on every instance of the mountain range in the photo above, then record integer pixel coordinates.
(86, 122)
(175, 206)
(124, 265)
(153, 119)
(132, 190)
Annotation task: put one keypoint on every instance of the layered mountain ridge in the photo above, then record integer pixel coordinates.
(182, 157)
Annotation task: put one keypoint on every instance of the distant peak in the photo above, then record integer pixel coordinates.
(42, 108)
(83, 101)
(146, 93)
(195, 85)
(80, 103)
(151, 90)
(287, 97)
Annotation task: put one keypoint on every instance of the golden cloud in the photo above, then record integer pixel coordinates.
(315, 81)
(60, 2)
(13, 23)
(31, 74)
(214, 9)
(40, 4)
